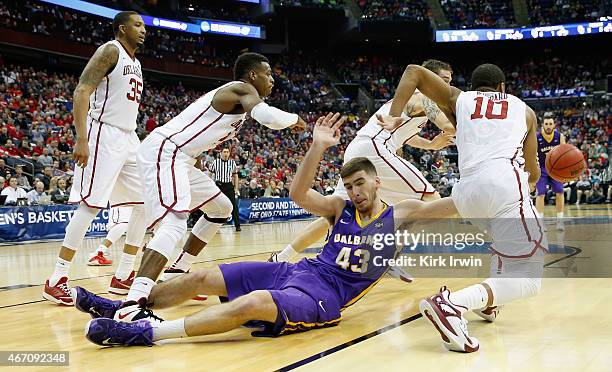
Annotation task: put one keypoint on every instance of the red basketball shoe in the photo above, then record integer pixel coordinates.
(121, 287)
(59, 293)
(449, 321)
(99, 260)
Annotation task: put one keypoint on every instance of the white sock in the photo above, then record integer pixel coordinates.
(141, 287)
(126, 265)
(472, 297)
(184, 261)
(62, 267)
(541, 214)
(170, 329)
(102, 248)
(287, 254)
(559, 215)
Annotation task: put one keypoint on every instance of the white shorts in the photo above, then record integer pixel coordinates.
(118, 216)
(496, 199)
(172, 183)
(111, 173)
(399, 180)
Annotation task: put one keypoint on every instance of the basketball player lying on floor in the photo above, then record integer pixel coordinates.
(282, 297)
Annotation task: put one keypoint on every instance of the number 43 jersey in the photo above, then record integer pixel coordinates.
(117, 98)
(354, 257)
(490, 125)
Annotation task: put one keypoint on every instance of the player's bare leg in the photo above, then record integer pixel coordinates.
(560, 203)
(257, 305)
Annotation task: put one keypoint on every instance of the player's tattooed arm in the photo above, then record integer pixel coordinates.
(100, 64)
(436, 116)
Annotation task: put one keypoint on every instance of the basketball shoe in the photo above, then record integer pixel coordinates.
(109, 332)
(96, 306)
(399, 273)
(99, 260)
(171, 273)
(273, 257)
(131, 311)
(489, 314)
(59, 293)
(121, 287)
(449, 321)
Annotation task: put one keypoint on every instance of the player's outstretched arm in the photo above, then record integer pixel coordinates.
(530, 149)
(417, 209)
(430, 85)
(247, 96)
(100, 64)
(326, 134)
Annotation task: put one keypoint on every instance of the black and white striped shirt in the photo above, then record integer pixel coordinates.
(223, 170)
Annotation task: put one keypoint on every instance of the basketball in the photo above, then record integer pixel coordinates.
(565, 163)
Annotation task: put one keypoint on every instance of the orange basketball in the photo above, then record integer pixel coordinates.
(565, 163)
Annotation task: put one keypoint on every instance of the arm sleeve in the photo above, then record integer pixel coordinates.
(272, 117)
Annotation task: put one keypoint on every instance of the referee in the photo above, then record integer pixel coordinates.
(225, 176)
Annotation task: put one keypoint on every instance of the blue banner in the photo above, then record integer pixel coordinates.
(270, 209)
(19, 224)
(492, 34)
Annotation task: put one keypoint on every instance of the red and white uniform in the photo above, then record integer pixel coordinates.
(493, 191)
(399, 179)
(166, 158)
(111, 173)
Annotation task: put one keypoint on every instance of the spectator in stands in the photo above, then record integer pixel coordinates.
(22, 179)
(45, 159)
(597, 195)
(4, 170)
(255, 190)
(37, 193)
(583, 187)
(283, 191)
(13, 192)
(61, 194)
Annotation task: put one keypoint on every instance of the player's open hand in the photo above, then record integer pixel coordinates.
(326, 131)
(389, 122)
(299, 126)
(441, 141)
(81, 152)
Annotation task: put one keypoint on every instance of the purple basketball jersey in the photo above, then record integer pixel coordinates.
(353, 258)
(544, 146)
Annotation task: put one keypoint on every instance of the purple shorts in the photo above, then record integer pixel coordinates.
(545, 179)
(304, 300)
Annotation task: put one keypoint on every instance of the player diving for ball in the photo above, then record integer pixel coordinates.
(282, 297)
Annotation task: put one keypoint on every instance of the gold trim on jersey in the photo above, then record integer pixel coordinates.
(363, 293)
(548, 138)
(358, 218)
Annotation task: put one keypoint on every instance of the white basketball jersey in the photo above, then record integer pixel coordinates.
(490, 125)
(116, 99)
(200, 127)
(399, 135)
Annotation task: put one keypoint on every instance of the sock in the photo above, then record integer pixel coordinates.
(141, 287)
(126, 265)
(287, 254)
(102, 248)
(472, 297)
(184, 261)
(61, 269)
(170, 329)
(541, 214)
(559, 215)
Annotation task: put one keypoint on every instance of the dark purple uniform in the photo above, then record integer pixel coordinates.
(543, 148)
(311, 293)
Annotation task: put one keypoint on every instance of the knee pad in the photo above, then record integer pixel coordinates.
(78, 226)
(169, 232)
(219, 207)
(207, 227)
(137, 227)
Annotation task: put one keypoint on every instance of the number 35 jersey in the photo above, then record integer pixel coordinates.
(354, 257)
(490, 125)
(117, 98)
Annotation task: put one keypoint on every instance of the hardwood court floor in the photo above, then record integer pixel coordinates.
(567, 327)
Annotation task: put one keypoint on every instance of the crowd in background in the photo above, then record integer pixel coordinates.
(394, 10)
(37, 136)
